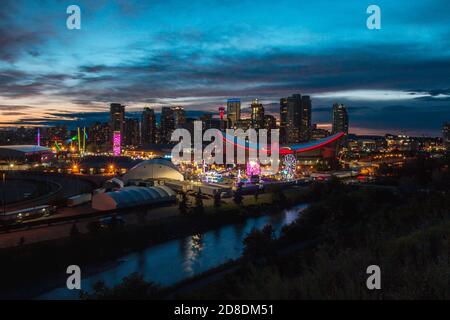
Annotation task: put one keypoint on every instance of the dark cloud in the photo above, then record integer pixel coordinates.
(16, 38)
(169, 74)
(8, 107)
(12, 113)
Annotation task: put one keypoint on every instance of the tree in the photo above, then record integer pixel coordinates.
(256, 195)
(133, 287)
(259, 242)
(74, 232)
(237, 196)
(94, 226)
(217, 200)
(199, 209)
(182, 205)
(278, 196)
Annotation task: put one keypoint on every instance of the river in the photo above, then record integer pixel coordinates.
(176, 260)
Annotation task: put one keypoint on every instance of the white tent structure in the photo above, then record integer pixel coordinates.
(153, 169)
(132, 196)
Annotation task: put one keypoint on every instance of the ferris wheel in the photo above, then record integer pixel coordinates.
(289, 166)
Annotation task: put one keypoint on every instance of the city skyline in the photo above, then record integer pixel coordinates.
(143, 54)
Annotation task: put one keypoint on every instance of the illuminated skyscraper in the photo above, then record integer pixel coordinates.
(148, 126)
(305, 124)
(233, 111)
(257, 114)
(340, 118)
(270, 122)
(117, 142)
(99, 136)
(167, 124)
(117, 119)
(179, 117)
(446, 135)
(294, 117)
(132, 132)
(283, 119)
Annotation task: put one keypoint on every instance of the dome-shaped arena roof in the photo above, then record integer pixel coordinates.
(132, 196)
(153, 169)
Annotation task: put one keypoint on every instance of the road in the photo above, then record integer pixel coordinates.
(47, 232)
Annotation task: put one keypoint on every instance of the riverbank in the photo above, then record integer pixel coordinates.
(91, 248)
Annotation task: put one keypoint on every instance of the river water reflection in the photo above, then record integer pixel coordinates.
(176, 260)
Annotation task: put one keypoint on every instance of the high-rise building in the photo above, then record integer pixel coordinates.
(233, 111)
(179, 116)
(244, 124)
(270, 122)
(305, 124)
(446, 135)
(55, 135)
(318, 133)
(283, 119)
(117, 121)
(257, 114)
(99, 136)
(148, 126)
(340, 118)
(294, 117)
(167, 125)
(208, 122)
(132, 132)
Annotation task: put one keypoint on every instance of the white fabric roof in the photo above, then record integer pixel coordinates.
(132, 196)
(26, 148)
(153, 169)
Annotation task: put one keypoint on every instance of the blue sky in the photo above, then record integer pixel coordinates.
(199, 53)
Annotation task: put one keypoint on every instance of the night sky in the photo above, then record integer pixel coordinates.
(199, 53)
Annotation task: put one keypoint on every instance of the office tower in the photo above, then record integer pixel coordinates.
(294, 118)
(340, 119)
(167, 125)
(148, 126)
(55, 135)
(117, 122)
(209, 122)
(257, 115)
(318, 133)
(189, 125)
(179, 116)
(270, 122)
(132, 132)
(99, 135)
(244, 124)
(283, 119)
(446, 135)
(233, 111)
(305, 124)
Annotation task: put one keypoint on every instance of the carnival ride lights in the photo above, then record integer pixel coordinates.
(289, 166)
(253, 168)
